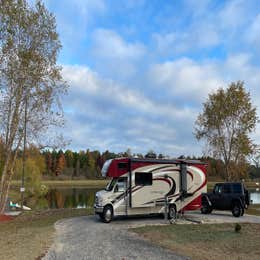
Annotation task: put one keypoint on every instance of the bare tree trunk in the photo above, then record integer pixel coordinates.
(7, 175)
(5, 190)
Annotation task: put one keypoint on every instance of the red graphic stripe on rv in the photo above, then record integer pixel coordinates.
(179, 171)
(162, 179)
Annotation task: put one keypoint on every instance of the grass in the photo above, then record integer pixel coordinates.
(253, 209)
(29, 235)
(69, 183)
(207, 241)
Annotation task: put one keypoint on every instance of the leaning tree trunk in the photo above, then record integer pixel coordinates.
(5, 185)
(7, 175)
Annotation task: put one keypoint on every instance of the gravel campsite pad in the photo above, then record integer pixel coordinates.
(89, 238)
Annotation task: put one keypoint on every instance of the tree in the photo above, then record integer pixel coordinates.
(61, 162)
(150, 154)
(30, 81)
(227, 119)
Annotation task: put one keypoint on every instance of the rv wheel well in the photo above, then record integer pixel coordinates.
(109, 205)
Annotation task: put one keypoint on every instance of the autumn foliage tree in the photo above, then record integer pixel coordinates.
(30, 80)
(227, 119)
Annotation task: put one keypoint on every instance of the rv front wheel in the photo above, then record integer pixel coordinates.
(172, 212)
(107, 214)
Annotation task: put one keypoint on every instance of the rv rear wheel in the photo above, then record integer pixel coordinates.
(172, 212)
(107, 214)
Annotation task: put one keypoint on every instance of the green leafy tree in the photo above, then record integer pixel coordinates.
(151, 154)
(61, 162)
(227, 119)
(33, 176)
(69, 158)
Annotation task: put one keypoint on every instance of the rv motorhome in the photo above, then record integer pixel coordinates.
(142, 186)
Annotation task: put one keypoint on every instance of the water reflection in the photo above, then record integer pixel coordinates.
(255, 196)
(84, 197)
(71, 198)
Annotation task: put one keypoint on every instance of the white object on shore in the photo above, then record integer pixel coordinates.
(257, 183)
(13, 213)
(16, 205)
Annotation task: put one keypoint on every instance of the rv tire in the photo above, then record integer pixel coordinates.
(107, 214)
(172, 213)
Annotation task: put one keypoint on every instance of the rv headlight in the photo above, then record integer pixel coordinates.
(99, 200)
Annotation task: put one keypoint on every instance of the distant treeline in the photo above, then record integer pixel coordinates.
(88, 164)
(59, 164)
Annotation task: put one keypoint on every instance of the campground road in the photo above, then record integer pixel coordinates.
(89, 238)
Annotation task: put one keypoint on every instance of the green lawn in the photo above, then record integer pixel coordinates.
(70, 183)
(206, 241)
(30, 235)
(253, 210)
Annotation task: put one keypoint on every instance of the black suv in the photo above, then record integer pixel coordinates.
(226, 196)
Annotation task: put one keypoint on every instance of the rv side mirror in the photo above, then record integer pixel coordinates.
(116, 188)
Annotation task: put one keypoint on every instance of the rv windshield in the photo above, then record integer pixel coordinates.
(111, 184)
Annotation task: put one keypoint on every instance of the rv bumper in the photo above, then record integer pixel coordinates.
(98, 209)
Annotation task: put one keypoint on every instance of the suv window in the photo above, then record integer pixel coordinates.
(218, 188)
(237, 188)
(227, 188)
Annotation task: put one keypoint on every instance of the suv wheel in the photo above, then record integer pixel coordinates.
(237, 210)
(206, 209)
(242, 212)
(107, 214)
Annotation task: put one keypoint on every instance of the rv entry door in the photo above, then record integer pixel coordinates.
(121, 195)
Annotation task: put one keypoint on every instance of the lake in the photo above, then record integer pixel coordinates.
(255, 196)
(71, 198)
(85, 197)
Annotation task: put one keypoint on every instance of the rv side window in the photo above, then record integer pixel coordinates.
(122, 165)
(143, 178)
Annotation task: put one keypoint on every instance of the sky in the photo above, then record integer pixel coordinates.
(140, 70)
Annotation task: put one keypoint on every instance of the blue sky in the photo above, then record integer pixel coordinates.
(140, 70)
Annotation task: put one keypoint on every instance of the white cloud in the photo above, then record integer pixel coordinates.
(186, 78)
(110, 45)
(233, 14)
(100, 109)
(198, 36)
(253, 35)
(87, 83)
(104, 114)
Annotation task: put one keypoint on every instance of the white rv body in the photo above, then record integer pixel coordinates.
(141, 186)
